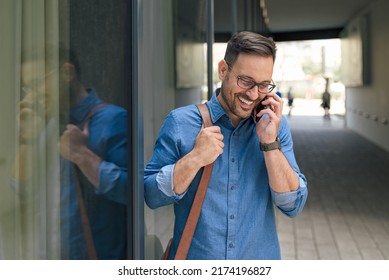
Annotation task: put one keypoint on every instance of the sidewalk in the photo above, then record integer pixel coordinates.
(347, 212)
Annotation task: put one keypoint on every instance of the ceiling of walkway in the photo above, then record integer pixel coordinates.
(295, 19)
(303, 15)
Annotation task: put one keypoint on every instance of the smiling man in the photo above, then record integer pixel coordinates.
(254, 163)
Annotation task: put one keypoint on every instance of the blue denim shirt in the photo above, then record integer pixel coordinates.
(237, 218)
(106, 205)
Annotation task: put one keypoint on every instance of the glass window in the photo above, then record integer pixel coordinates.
(64, 155)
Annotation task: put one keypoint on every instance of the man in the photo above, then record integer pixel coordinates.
(237, 218)
(93, 150)
(326, 99)
(290, 101)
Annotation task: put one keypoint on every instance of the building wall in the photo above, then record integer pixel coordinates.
(157, 68)
(171, 74)
(367, 106)
(157, 91)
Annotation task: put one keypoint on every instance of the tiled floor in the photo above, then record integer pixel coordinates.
(347, 212)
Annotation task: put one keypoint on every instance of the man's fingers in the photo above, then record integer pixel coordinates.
(213, 128)
(71, 127)
(274, 107)
(211, 132)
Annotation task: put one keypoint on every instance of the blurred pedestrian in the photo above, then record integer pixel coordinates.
(326, 100)
(290, 101)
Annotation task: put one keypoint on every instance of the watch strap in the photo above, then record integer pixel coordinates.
(271, 146)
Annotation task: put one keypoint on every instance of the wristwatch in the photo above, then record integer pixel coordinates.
(272, 146)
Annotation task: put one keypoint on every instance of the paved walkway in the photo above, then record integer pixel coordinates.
(347, 212)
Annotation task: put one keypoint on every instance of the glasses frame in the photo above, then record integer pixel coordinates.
(271, 86)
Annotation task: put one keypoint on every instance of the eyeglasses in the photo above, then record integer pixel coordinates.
(247, 83)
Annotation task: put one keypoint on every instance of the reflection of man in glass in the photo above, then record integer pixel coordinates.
(93, 149)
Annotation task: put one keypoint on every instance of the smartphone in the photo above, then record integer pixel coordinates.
(259, 107)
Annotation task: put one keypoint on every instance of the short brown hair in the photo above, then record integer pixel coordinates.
(250, 43)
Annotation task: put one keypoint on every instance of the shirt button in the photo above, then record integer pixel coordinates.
(231, 245)
(233, 160)
(232, 217)
(232, 187)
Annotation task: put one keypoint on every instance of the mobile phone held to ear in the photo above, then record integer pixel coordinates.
(258, 108)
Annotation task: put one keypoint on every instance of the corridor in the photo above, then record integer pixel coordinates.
(347, 212)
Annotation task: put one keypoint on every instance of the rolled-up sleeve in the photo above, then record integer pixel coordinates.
(292, 203)
(113, 182)
(165, 182)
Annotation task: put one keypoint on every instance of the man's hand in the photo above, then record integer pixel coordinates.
(209, 145)
(73, 142)
(267, 127)
(74, 147)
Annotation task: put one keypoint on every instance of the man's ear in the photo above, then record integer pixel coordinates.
(68, 72)
(222, 69)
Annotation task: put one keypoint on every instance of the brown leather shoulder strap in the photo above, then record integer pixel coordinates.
(91, 113)
(83, 212)
(204, 111)
(90, 245)
(191, 223)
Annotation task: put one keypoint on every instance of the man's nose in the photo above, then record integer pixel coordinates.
(253, 93)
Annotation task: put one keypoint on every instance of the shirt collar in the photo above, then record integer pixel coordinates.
(80, 110)
(215, 108)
